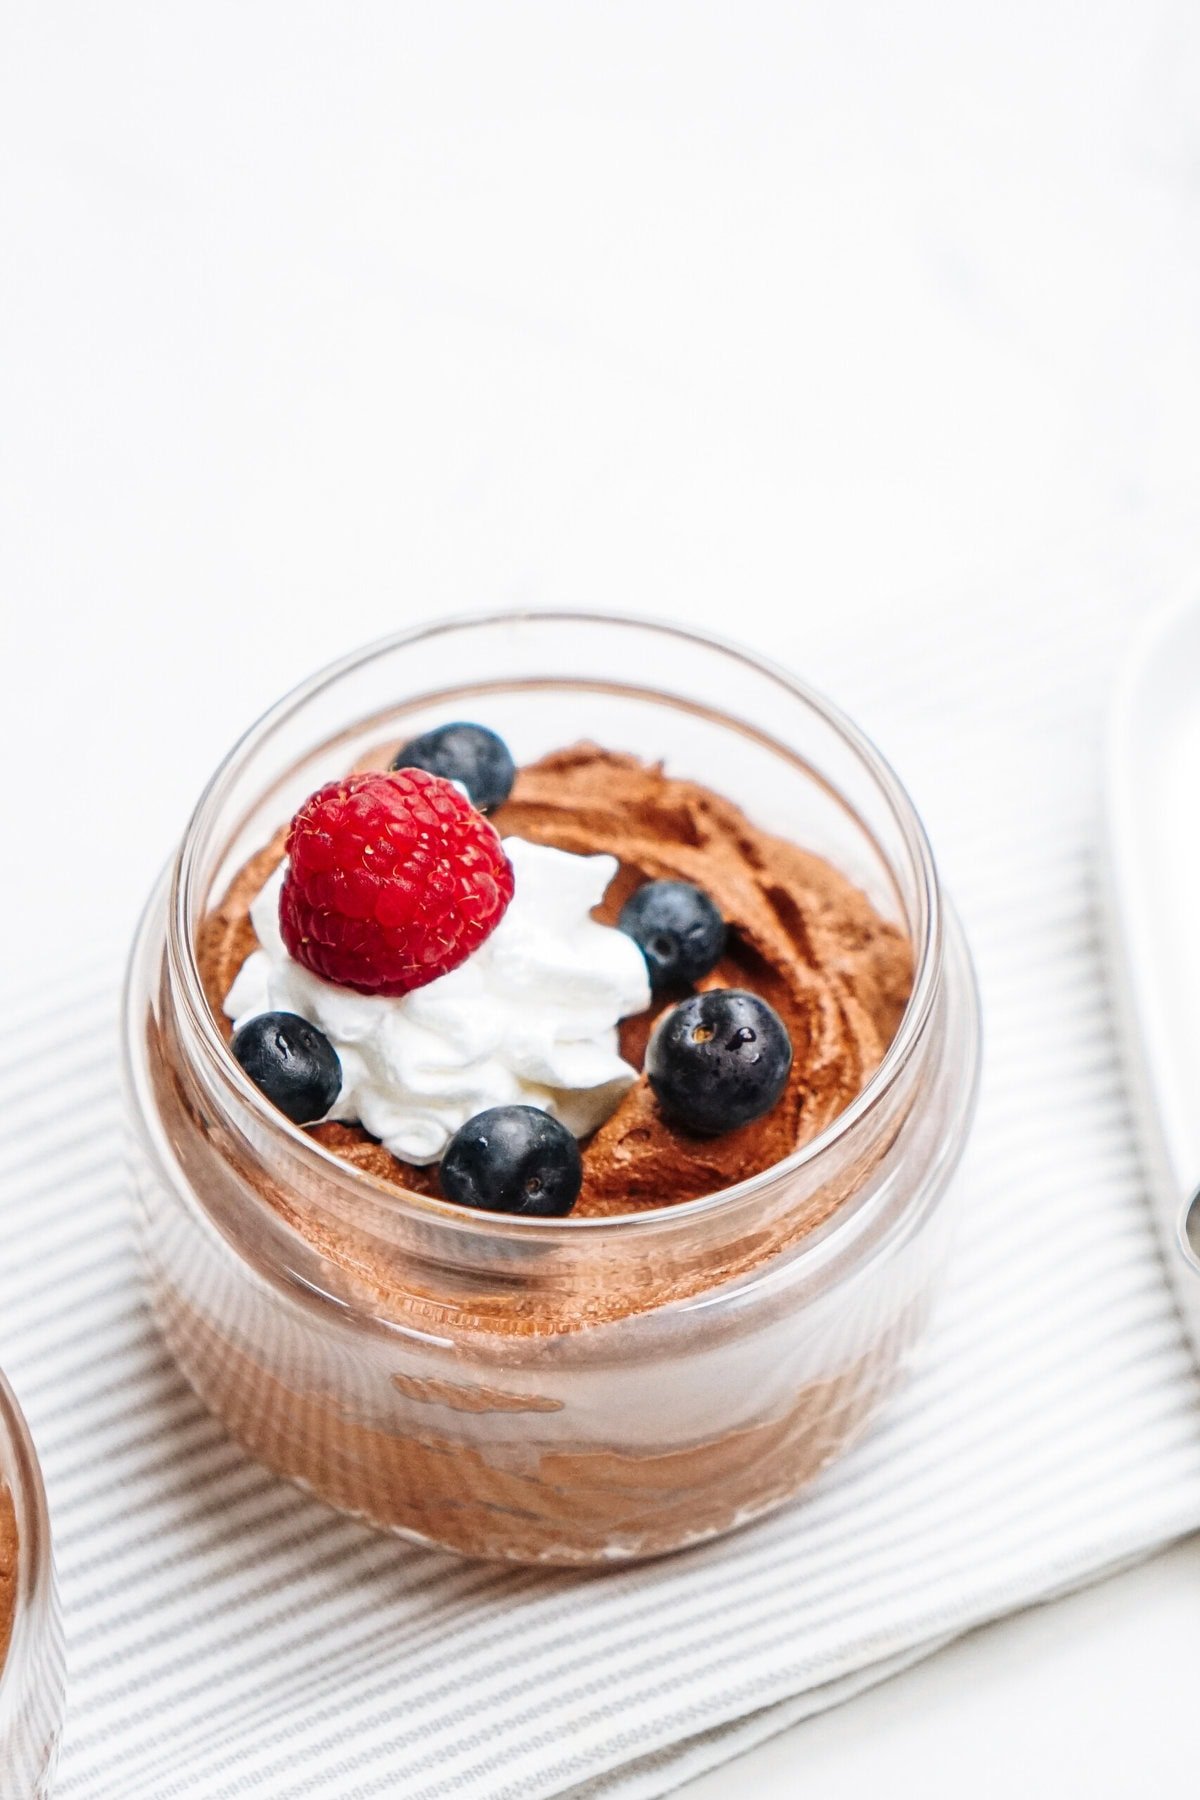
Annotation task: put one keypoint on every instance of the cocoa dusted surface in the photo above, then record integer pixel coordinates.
(801, 935)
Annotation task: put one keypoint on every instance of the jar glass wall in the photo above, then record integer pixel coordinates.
(32, 1670)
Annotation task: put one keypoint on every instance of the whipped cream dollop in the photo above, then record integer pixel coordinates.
(531, 1018)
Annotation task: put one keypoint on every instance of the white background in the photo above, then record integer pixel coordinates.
(790, 320)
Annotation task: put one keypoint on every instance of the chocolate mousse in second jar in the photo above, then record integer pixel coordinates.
(32, 1662)
(8, 1569)
(551, 1169)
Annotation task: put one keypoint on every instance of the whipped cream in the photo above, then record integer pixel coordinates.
(530, 1018)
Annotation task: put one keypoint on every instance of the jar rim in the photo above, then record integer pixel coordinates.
(927, 938)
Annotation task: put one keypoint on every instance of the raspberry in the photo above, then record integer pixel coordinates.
(393, 880)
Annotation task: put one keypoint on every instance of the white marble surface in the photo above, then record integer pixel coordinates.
(1087, 1699)
(783, 319)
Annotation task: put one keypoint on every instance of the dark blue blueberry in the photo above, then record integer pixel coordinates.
(718, 1060)
(678, 930)
(513, 1159)
(293, 1063)
(468, 753)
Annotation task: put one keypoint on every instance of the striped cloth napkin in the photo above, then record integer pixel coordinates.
(228, 1636)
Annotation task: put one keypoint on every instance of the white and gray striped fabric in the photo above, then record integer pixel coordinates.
(228, 1636)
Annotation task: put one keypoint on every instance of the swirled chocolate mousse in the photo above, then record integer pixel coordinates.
(612, 992)
(585, 987)
(8, 1570)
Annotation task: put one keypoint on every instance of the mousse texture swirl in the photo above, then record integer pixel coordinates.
(800, 935)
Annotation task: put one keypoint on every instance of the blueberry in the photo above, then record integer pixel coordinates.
(293, 1063)
(468, 753)
(678, 930)
(718, 1060)
(513, 1159)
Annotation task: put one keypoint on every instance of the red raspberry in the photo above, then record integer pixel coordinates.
(393, 880)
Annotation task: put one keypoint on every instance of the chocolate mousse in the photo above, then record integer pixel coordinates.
(583, 986)
(800, 935)
(8, 1570)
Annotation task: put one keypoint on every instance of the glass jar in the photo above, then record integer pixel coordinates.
(33, 1669)
(449, 1375)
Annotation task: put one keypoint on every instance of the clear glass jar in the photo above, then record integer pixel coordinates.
(446, 1376)
(33, 1670)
